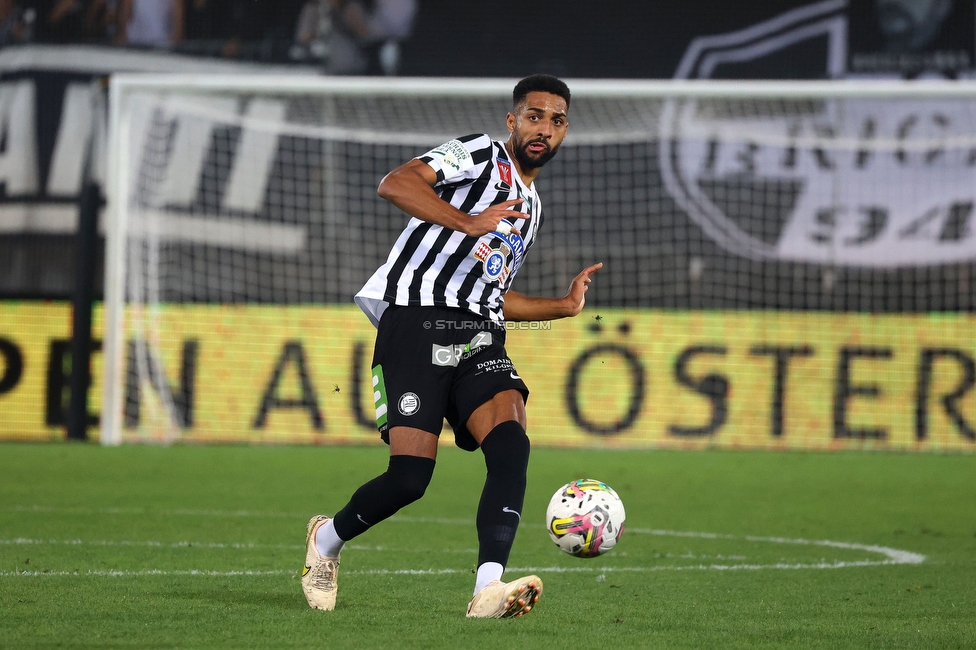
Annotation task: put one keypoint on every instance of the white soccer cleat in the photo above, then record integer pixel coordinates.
(506, 599)
(320, 575)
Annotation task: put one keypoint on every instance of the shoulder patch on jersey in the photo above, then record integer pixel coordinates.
(453, 157)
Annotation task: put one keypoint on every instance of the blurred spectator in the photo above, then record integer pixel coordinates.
(356, 36)
(67, 21)
(277, 22)
(344, 36)
(103, 21)
(59, 21)
(211, 27)
(232, 28)
(14, 28)
(312, 31)
(150, 23)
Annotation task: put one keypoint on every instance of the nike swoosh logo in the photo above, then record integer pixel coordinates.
(306, 570)
(504, 187)
(509, 510)
(513, 375)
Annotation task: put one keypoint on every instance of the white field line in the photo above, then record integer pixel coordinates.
(894, 555)
(183, 512)
(902, 557)
(25, 541)
(145, 572)
(891, 556)
(237, 546)
(233, 546)
(151, 511)
(431, 572)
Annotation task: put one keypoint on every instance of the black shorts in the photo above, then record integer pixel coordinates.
(432, 363)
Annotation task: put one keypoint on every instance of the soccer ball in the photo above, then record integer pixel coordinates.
(585, 518)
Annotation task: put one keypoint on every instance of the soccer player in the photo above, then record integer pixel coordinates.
(439, 304)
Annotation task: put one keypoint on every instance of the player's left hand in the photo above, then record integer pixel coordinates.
(577, 289)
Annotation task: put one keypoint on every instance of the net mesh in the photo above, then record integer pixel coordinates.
(693, 203)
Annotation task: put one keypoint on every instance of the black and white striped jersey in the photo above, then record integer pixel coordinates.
(435, 266)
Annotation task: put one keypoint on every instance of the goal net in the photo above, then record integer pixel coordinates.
(747, 223)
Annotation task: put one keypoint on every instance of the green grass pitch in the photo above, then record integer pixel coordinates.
(202, 546)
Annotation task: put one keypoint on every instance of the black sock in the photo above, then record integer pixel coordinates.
(506, 449)
(404, 481)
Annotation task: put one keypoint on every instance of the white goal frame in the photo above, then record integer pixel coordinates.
(124, 86)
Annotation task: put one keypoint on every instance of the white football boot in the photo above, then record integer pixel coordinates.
(320, 575)
(506, 599)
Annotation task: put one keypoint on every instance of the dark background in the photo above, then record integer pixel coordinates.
(572, 39)
(499, 38)
(509, 39)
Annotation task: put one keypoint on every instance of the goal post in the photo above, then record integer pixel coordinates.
(243, 216)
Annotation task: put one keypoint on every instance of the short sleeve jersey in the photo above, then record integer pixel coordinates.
(431, 265)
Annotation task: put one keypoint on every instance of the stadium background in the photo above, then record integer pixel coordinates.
(910, 313)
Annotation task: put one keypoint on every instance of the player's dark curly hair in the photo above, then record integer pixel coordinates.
(545, 83)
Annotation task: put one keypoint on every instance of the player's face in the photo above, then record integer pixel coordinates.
(538, 126)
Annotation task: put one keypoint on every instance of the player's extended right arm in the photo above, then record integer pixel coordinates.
(410, 187)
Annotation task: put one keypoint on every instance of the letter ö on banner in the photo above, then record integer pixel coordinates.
(636, 368)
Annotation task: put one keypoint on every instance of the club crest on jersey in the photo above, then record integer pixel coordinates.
(494, 265)
(493, 261)
(504, 171)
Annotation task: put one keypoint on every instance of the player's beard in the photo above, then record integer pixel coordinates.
(527, 160)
